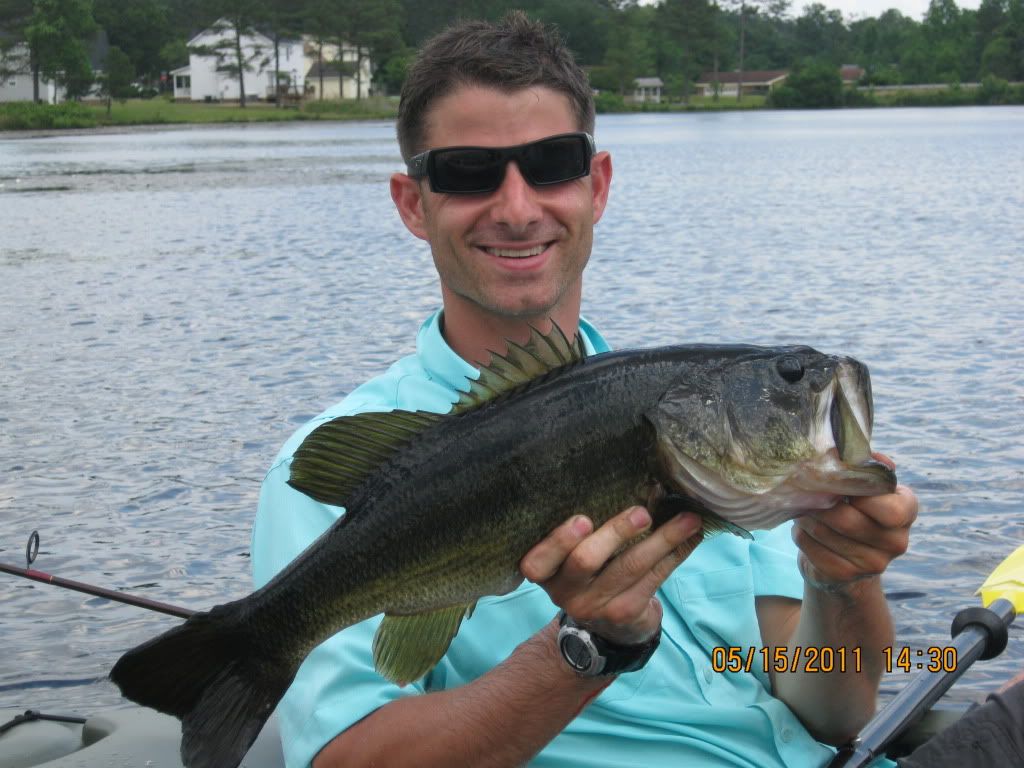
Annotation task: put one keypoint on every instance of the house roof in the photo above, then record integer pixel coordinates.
(648, 82)
(186, 70)
(851, 72)
(225, 28)
(754, 77)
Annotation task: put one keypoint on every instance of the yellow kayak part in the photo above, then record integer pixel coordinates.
(1006, 582)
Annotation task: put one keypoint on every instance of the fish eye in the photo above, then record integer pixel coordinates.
(789, 368)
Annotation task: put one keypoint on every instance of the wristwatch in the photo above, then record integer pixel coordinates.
(591, 655)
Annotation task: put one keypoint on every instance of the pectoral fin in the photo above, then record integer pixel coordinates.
(407, 647)
(672, 504)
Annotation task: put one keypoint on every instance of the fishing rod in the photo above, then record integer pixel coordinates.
(978, 633)
(32, 550)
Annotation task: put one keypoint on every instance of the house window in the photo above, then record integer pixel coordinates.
(183, 81)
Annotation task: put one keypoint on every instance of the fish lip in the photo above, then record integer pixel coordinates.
(833, 474)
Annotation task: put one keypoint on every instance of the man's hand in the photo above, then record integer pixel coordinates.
(608, 590)
(855, 539)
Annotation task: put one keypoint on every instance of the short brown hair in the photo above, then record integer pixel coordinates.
(510, 55)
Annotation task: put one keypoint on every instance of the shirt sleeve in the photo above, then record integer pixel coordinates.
(336, 685)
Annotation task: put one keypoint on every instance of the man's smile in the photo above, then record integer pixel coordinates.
(515, 253)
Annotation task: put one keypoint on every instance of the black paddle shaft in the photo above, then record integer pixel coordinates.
(978, 633)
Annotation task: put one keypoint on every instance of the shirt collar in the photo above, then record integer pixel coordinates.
(443, 364)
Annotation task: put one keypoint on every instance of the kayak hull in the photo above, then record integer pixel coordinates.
(135, 736)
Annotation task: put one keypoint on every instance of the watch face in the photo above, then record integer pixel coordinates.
(577, 653)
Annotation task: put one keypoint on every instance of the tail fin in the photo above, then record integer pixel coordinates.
(207, 673)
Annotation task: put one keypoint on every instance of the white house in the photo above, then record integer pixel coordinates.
(753, 82)
(16, 73)
(212, 50)
(324, 60)
(16, 78)
(647, 89)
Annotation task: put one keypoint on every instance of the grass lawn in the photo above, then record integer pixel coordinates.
(750, 101)
(158, 111)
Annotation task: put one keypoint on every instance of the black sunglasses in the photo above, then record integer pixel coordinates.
(477, 170)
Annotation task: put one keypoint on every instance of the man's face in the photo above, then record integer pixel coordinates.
(517, 252)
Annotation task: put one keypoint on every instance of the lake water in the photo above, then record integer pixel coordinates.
(174, 302)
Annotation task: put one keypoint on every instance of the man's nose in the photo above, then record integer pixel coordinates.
(515, 202)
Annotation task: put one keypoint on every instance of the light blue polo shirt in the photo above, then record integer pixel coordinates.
(675, 711)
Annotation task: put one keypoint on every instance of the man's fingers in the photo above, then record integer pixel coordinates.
(832, 566)
(655, 557)
(837, 554)
(545, 558)
(891, 510)
(631, 604)
(594, 552)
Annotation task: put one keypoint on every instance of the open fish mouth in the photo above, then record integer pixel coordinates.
(850, 416)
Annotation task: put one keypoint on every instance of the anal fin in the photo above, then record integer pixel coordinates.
(406, 647)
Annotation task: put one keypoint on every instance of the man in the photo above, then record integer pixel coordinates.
(510, 242)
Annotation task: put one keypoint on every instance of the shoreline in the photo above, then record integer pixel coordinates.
(15, 134)
(159, 114)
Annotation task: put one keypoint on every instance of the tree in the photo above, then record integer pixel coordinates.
(584, 24)
(745, 10)
(629, 52)
(139, 29)
(1000, 35)
(372, 28)
(57, 35)
(282, 20)
(881, 43)
(998, 59)
(685, 33)
(809, 86)
(948, 39)
(990, 19)
(318, 21)
(238, 20)
(821, 33)
(118, 73)
(16, 16)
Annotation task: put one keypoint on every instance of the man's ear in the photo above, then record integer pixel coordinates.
(408, 197)
(600, 182)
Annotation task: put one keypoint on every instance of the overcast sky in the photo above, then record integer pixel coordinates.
(913, 8)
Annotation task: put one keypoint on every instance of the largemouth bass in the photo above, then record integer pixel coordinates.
(440, 509)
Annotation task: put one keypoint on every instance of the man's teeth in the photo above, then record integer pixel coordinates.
(514, 253)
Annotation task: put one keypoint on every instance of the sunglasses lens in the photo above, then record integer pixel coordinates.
(556, 160)
(478, 170)
(466, 170)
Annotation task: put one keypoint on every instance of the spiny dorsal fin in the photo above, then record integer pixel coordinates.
(521, 364)
(339, 454)
(407, 647)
